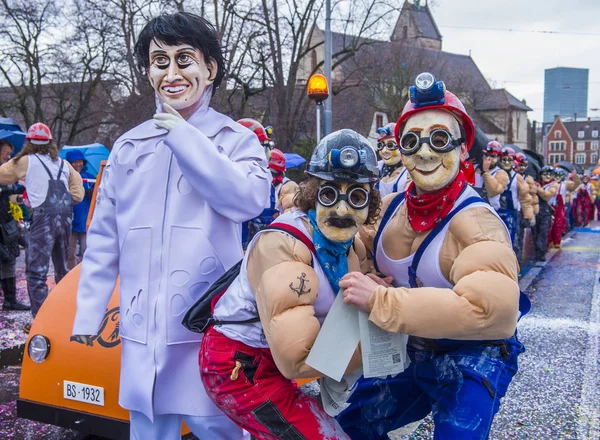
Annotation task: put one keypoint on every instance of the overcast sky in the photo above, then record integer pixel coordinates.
(516, 60)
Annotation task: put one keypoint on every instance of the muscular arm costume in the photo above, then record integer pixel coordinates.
(288, 318)
(535, 203)
(546, 195)
(11, 172)
(495, 184)
(525, 198)
(573, 184)
(477, 258)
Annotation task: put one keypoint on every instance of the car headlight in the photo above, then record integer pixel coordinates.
(38, 349)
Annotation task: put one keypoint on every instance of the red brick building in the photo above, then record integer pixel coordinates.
(574, 141)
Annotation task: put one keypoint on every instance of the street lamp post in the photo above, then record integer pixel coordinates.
(318, 91)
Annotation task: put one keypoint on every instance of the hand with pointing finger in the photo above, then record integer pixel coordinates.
(169, 119)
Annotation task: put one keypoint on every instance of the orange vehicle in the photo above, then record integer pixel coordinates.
(69, 384)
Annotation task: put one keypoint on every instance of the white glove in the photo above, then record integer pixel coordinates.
(168, 120)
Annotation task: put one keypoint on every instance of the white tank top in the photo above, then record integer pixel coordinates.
(514, 190)
(36, 179)
(386, 188)
(495, 201)
(478, 177)
(429, 270)
(239, 302)
(552, 201)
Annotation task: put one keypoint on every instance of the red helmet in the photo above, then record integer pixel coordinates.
(451, 104)
(493, 148)
(258, 129)
(386, 131)
(277, 161)
(521, 159)
(507, 151)
(39, 134)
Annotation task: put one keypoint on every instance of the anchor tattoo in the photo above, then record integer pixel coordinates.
(300, 290)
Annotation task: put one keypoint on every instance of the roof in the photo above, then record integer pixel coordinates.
(422, 19)
(586, 126)
(499, 99)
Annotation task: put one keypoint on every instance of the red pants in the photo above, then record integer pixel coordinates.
(260, 399)
(559, 225)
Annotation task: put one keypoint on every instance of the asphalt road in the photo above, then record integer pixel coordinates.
(555, 395)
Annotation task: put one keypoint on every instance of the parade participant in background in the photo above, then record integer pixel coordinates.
(169, 206)
(52, 188)
(495, 180)
(285, 189)
(393, 173)
(9, 246)
(267, 320)
(515, 201)
(80, 210)
(268, 214)
(455, 289)
(569, 202)
(522, 163)
(559, 225)
(546, 191)
(582, 206)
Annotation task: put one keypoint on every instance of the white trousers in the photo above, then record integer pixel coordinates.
(168, 427)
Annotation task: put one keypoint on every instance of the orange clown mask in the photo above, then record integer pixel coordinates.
(430, 165)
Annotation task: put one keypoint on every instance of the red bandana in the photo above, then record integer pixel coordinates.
(425, 211)
(277, 180)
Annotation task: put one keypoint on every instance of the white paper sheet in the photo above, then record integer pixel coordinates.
(337, 340)
(383, 353)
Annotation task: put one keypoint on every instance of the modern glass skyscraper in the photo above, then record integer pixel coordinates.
(565, 93)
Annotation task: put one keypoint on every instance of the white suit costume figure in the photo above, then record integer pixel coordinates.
(167, 220)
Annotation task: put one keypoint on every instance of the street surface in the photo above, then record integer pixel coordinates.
(556, 393)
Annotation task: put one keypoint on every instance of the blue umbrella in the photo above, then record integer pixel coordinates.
(93, 153)
(293, 160)
(10, 130)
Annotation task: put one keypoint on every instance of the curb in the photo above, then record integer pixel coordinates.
(12, 356)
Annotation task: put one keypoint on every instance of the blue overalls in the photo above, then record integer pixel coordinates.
(266, 217)
(461, 382)
(507, 212)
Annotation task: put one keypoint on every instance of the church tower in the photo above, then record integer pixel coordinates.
(416, 26)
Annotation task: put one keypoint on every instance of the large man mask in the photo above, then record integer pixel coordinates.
(432, 170)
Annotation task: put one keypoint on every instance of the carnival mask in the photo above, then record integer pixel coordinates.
(432, 149)
(179, 75)
(506, 163)
(546, 177)
(388, 151)
(342, 208)
(585, 179)
(522, 168)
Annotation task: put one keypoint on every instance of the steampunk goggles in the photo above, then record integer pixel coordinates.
(440, 141)
(391, 145)
(357, 197)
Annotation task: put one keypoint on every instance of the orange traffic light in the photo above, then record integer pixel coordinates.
(318, 89)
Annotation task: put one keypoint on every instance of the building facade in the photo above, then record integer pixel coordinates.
(565, 93)
(574, 141)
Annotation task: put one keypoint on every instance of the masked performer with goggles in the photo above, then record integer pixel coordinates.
(167, 217)
(582, 205)
(522, 163)
(515, 202)
(268, 319)
(285, 189)
(546, 191)
(454, 285)
(393, 173)
(495, 179)
(559, 225)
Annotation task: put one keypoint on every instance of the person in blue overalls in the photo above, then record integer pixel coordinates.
(80, 210)
(394, 176)
(449, 280)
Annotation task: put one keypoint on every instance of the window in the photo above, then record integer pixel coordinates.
(594, 133)
(405, 32)
(580, 134)
(594, 145)
(557, 134)
(563, 146)
(594, 159)
(555, 158)
(379, 120)
(580, 158)
(552, 146)
(580, 146)
(313, 60)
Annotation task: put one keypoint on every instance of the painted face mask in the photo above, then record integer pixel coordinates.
(342, 208)
(506, 163)
(546, 177)
(178, 74)
(435, 164)
(389, 152)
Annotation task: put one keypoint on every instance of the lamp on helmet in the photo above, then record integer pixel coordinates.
(435, 97)
(344, 156)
